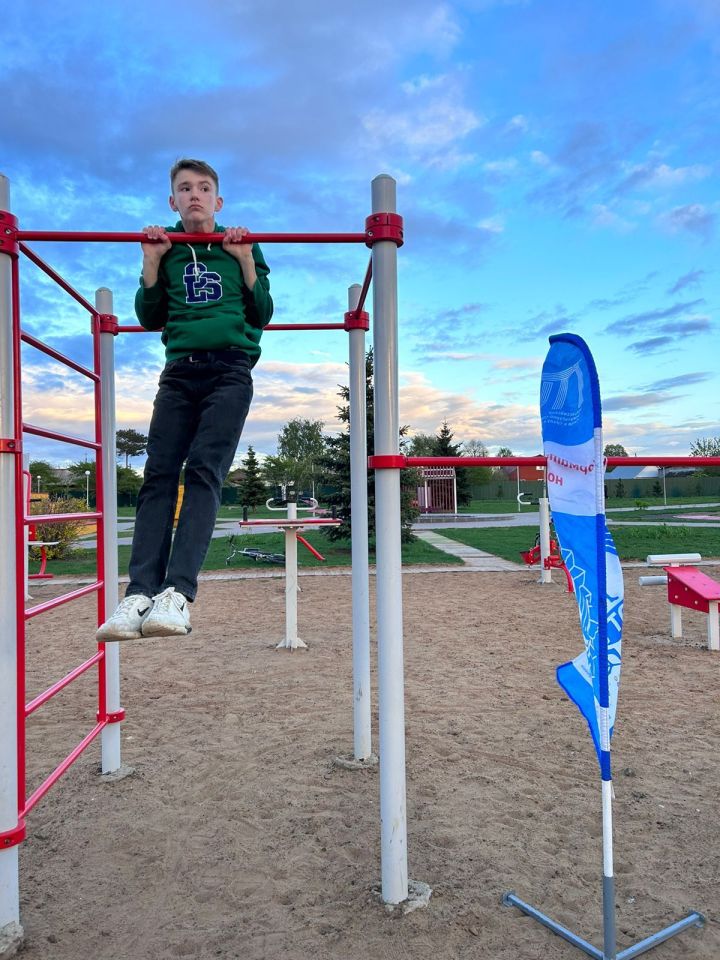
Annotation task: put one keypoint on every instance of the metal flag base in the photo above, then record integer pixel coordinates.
(691, 920)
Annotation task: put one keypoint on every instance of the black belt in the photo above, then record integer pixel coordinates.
(230, 355)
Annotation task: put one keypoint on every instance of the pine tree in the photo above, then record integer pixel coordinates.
(130, 443)
(444, 447)
(336, 470)
(252, 491)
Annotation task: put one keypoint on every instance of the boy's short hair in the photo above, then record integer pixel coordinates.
(199, 166)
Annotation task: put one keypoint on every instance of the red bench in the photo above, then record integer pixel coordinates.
(689, 587)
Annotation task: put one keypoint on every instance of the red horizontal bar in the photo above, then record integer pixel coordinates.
(305, 326)
(54, 275)
(376, 461)
(270, 326)
(44, 348)
(61, 684)
(61, 769)
(65, 598)
(59, 518)
(91, 236)
(284, 522)
(65, 438)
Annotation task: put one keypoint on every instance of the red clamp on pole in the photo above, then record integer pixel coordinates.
(8, 234)
(108, 323)
(384, 226)
(357, 320)
(388, 461)
(117, 717)
(8, 445)
(11, 838)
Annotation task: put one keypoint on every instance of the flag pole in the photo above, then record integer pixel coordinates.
(570, 411)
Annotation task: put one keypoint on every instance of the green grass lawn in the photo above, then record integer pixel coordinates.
(633, 543)
(82, 562)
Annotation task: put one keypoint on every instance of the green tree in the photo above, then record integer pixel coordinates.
(130, 443)
(252, 490)
(336, 470)
(444, 447)
(476, 448)
(420, 445)
(301, 446)
(706, 447)
(48, 477)
(128, 481)
(614, 450)
(502, 472)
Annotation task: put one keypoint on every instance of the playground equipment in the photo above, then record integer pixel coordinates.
(552, 561)
(687, 587)
(382, 228)
(292, 528)
(383, 233)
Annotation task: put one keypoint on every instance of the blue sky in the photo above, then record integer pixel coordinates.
(556, 165)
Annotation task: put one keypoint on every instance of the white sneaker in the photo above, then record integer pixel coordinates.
(169, 616)
(126, 623)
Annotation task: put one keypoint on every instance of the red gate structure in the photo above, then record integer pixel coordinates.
(438, 493)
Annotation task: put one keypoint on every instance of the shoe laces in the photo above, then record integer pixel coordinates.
(164, 601)
(126, 605)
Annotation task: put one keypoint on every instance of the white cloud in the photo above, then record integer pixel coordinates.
(604, 216)
(492, 224)
(540, 159)
(518, 123)
(506, 166)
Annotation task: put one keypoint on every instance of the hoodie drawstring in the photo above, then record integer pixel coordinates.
(196, 269)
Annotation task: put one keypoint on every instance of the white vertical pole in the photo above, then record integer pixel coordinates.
(518, 489)
(454, 491)
(713, 626)
(393, 813)
(609, 936)
(110, 737)
(675, 621)
(291, 641)
(10, 929)
(362, 725)
(544, 509)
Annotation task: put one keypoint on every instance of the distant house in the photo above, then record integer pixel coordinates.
(647, 473)
(526, 472)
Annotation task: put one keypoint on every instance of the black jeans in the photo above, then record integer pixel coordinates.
(198, 416)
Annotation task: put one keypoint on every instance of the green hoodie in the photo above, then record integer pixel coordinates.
(202, 302)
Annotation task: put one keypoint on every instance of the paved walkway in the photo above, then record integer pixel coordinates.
(471, 557)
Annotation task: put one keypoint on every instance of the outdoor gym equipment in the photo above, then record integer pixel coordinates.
(292, 527)
(687, 587)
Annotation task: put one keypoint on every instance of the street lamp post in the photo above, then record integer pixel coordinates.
(87, 489)
(664, 487)
(38, 483)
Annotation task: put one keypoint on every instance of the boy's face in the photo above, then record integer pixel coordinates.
(195, 198)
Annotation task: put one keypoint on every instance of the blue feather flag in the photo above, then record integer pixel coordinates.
(571, 416)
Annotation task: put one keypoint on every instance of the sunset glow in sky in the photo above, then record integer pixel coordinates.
(557, 171)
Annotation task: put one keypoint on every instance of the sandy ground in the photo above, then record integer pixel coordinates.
(237, 836)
